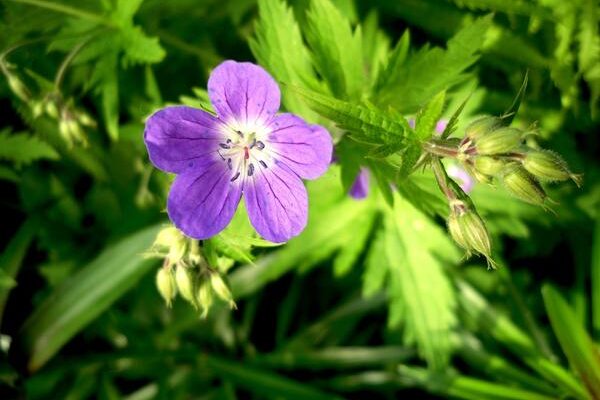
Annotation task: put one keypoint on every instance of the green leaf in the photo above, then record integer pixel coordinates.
(125, 10)
(451, 125)
(375, 47)
(589, 50)
(278, 46)
(595, 281)
(574, 340)
(418, 283)
(365, 123)
(265, 383)
(106, 74)
(394, 64)
(428, 117)
(337, 51)
(82, 298)
(139, 48)
(376, 271)
(431, 71)
(350, 252)
(22, 148)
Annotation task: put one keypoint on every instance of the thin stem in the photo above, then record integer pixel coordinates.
(64, 9)
(440, 150)
(442, 179)
(65, 64)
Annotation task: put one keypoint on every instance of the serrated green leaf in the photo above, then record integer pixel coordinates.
(451, 125)
(375, 49)
(352, 249)
(430, 71)
(337, 51)
(139, 48)
(412, 246)
(125, 10)
(428, 117)
(394, 64)
(589, 50)
(376, 269)
(365, 123)
(278, 46)
(23, 148)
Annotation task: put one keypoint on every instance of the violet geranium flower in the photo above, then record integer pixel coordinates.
(245, 149)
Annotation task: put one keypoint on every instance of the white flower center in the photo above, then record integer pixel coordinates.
(244, 150)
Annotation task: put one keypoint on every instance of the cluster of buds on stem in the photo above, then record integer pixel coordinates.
(491, 150)
(186, 272)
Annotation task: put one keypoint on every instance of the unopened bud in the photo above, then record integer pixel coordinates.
(165, 283)
(489, 166)
(221, 289)
(85, 120)
(51, 108)
(500, 141)
(469, 231)
(185, 280)
(37, 108)
(548, 166)
(205, 297)
(523, 185)
(64, 131)
(482, 126)
(174, 240)
(18, 88)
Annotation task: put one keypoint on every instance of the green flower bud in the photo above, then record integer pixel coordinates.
(18, 88)
(37, 108)
(165, 283)
(205, 297)
(221, 289)
(469, 231)
(548, 166)
(482, 126)
(489, 166)
(186, 282)
(500, 141)
(172, 239)
(85, 120)
(51, 108)
(523, 185)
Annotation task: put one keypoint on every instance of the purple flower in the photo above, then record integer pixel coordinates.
(245, 149)
(462, 177)
(360, 187)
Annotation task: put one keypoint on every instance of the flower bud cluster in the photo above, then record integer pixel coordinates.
(71, 121)
(490, 150)
(186, 272)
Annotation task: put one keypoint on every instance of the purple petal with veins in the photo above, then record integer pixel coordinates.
(246, 150)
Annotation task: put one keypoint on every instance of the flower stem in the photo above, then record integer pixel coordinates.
(440, 149)
(63, 67)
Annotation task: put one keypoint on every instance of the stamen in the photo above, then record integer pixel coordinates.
(240, 133)
(228, 141)
(224, 146)
(229, 163)
(250, 169)
(237, 175)
(264, 164)
(260, 145)
(253, 143)
(221, 155)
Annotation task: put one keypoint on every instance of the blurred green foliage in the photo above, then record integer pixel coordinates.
(373, 299)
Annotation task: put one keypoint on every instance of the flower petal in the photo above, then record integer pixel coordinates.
(277, 203)
(360, 187)
(177, 136)
(305, 149)
(202, 201)
(243, 93)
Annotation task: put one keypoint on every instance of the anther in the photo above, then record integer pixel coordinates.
(253, 143)
(264, 164)
(250, 169)
(237, 174)
(260, 145)
(224, 146)
(240, 133)
(229, 163)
